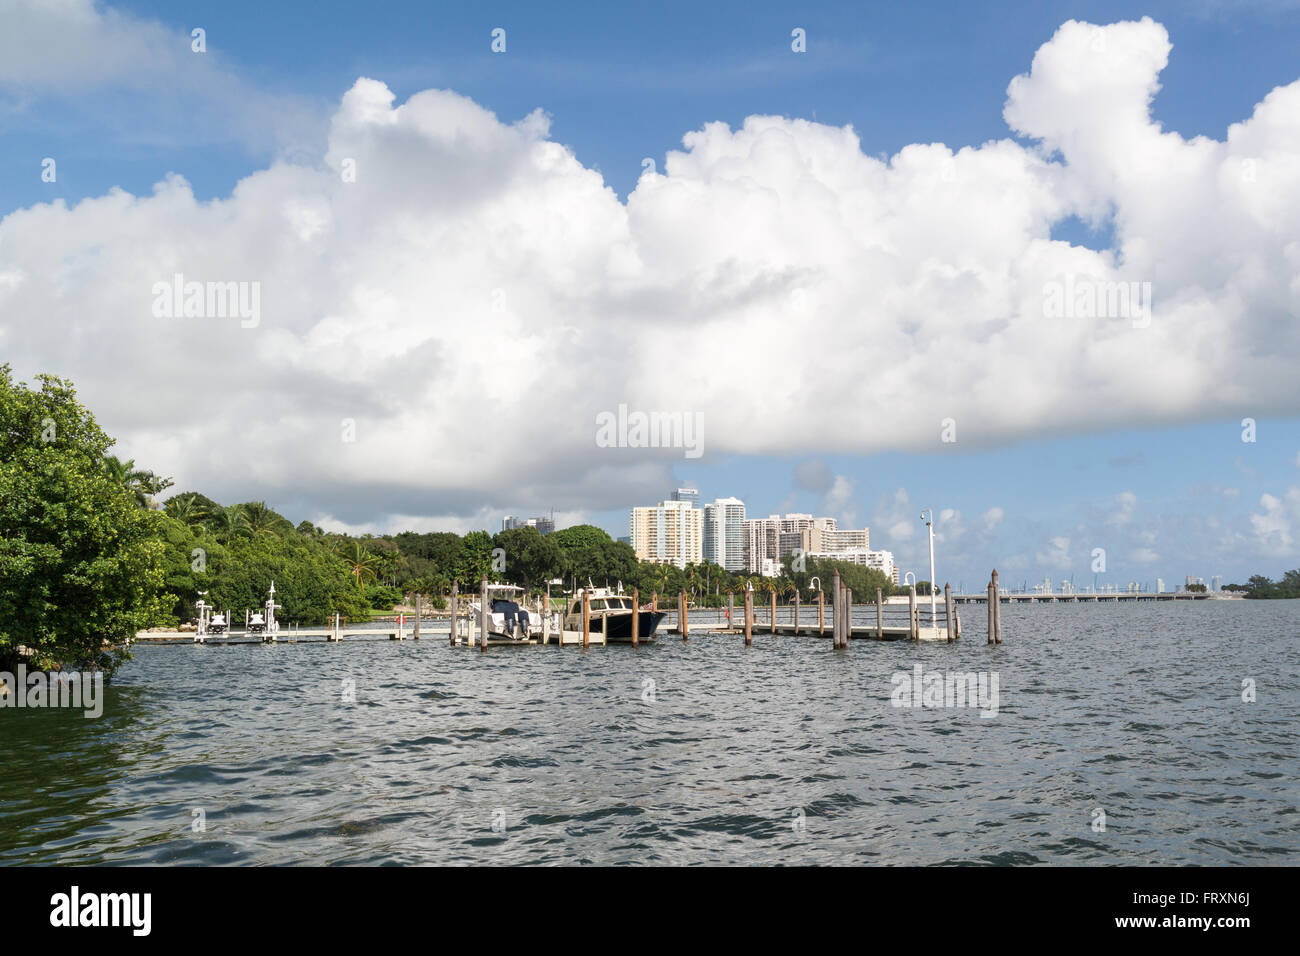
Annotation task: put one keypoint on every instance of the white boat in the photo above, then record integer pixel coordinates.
(508, 618)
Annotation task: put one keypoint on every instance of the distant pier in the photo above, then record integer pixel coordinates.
(1033, 597)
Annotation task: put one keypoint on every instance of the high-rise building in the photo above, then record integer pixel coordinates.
(762, 543)
(1160, 585)
(542, 523)
(1216, 583)
(670, 532)
(776, 537)
(882, 561)
(724, 533)
(691, 495)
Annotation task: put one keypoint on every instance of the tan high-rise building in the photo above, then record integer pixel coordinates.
(671, 532)
(773, 538)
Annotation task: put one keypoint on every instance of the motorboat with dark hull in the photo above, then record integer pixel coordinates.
(612, 614)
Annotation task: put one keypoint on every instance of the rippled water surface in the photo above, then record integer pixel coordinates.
(708, 752)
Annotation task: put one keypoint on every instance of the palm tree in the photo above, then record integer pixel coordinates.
(361, 563)
(259, 519)
(185, 509)
(140, 483)
(227, 523)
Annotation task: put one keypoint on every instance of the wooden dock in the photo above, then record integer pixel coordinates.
(466, 627)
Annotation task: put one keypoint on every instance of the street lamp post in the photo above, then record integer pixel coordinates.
(928, 517)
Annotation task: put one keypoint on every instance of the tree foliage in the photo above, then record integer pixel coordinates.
(80, 559)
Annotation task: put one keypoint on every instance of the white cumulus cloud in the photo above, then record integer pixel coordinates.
(477, 296)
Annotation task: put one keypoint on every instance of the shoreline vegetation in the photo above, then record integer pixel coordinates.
(90, 555)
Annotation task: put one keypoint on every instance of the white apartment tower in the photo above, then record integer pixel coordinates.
(724, 533)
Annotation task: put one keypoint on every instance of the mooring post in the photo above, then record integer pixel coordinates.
(848, 614)
(586, 619)
(880, 614)
(837, 609)
(911, 612)
(731, 610)
(821, 611)
(485, 614)
(636, 615)
(992, 609)
(997, 609)
(454, 614)
(546, 619)
(774, 610)
(419, 611)
(604, 628)
(796, 613)
(749, 617)
(685, 618)
(948, 612)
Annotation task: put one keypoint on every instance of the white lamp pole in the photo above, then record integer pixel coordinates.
(928, 517)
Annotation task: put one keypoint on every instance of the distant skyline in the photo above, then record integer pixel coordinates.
(837, 265)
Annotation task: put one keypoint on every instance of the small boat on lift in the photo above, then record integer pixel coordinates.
(613, 612)
(508, 618)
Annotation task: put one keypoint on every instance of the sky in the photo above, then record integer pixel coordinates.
(1034, 266)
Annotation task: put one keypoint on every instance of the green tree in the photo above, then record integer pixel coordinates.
(80, 560)
(227, 523)
(190, 508)
(142, 485)
(258, 518)
(475, 560)
(361, 563)
(531, 557)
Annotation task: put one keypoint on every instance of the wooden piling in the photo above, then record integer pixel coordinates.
(848, 615)
(796, 613)
(731, 609)
(684, 618)
(837, 607)
(419, 609)
(948, 612)
(821, 612)
(455, 625)
(997, 609)
(485, 613)
(586, 620)
(636, 616)
(880, 614)
(749, 617)
(546, 620)
(992, 609)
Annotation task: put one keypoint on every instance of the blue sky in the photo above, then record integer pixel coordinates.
(624, 83)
